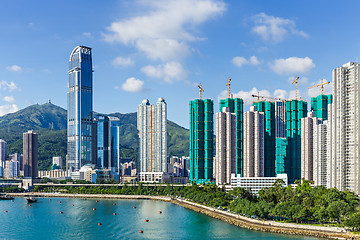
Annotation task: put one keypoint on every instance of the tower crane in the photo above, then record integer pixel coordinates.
(296, 82)
(228, 84)
(270, 98)
(200, 90)
(321, 85)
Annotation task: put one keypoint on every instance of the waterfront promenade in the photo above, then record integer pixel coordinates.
(235, 219)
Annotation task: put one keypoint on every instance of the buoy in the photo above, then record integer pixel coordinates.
(84, 198)
(61, 212)
(29, 205)
(94, 209)
(114, 203)
(97, 200)
(73, 205)
(59, 201)
(99, 224)
(12, 200)
(160, 212)
(146, 220)
(141, 231)
(49, 199)
(5, 211)
(114, 213)
(134, 207)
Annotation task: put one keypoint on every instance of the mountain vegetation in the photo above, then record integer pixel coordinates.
(50, 121)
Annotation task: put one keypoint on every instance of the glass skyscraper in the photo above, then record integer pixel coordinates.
(80, 109)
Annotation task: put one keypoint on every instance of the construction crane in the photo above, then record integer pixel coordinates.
(270, 98)
(320, 85)
(296, 82)
(200, 90)
(228, 84)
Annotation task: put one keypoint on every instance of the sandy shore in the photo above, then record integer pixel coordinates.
(235, 219)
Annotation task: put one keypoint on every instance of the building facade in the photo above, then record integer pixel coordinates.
(30, 150)
(320, 154)
(80, 109)
(253, 143)
(201, 147)
(3, 155)
(152, 131)
(343, 129)
(225, 158)
(319, 105)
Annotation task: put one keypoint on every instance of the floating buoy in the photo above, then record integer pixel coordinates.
(12, 200)
(114, 213)
(5, 211)
(59, 201)
(29, 205)
(146, 220)
(97, 200)
(49, 199)
(160, 212)
(99, 224)
(84, 198)
(61, 212)
(141, 231)
(134, 207)
(73, 205)
(114, 203)
(94, 209)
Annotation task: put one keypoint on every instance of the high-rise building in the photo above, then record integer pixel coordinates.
(13, 168)
(225, 159)
(114, 125)
(253, 143)
(80, 109)
(319, 105)
(201, 140)
(308, 129)
(103, 146)
(17, 157)
(3, 153)
(236, 105)
(152, 131)
(57, 162)
(290, 161)
(280, 117)
(30, 150)
(320, 154)
(343, 128)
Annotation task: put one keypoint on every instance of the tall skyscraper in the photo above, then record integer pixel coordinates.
(225, 159)
(320, 154)
(236, 105)
(30, 150)
(319, 105)
(3, 153)
(114, 126)
(103, 147)
(201, 140)
(343, 128)
(80, 109)
(17, 157)
(253, 143)
(152, 130)
(308, 131)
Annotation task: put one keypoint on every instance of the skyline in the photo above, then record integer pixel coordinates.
(145, 50)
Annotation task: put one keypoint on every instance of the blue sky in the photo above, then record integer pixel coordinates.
(151, 49)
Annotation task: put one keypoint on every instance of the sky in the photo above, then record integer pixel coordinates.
(146, 49)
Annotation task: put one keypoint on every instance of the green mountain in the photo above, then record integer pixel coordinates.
(49, 122)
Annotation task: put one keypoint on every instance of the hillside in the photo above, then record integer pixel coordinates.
(49, 122)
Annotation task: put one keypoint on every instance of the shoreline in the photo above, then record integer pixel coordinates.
(234, 219)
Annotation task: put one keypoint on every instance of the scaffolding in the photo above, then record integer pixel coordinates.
(319, 105)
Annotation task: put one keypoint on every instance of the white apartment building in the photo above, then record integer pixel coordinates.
(308, 125)
(344, 114)
(253, 143)
(225, 159)
(320, 154)
(151, 125)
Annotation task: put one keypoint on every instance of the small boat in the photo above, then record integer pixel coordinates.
(6, 197)
(31, 200)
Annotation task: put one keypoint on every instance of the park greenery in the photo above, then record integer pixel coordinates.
(302, 204)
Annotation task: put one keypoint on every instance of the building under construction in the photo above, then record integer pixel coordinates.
(201, 140)
(319, 105)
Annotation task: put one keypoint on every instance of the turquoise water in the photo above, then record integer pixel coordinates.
(43, 220)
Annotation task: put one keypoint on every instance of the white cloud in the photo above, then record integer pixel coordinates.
(87, 34)
(292, 65)
(11, 86)
(313, 92)
(275, 29)
(280, 93)
(165, 30)
(168, 72)
(14, 68)
(121, 61)
(9, 99)
(5, 109)
(240, 61)
(132, 85)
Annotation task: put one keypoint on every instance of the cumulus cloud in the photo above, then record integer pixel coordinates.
(124, 62)
(292, 65)
(280, 93)
(249, 99)
(132, 85)
(14, 68)
(169, 72)
(10, 86)
(9, 99)
(240, 61)
(5, 109)
(165, 31)
(275, 29)
(313, 92)
(87, 34)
